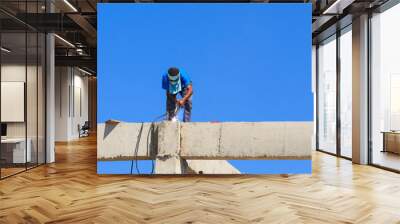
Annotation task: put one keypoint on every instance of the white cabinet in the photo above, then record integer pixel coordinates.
(17, 149)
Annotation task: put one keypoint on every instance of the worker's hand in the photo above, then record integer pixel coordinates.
(181, 102)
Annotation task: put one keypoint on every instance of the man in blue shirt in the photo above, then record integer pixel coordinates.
(177, 82)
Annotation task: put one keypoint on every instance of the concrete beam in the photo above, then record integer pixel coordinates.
(246, 140)
(168, 138)
(170, 164)
(206, 141)
(168, 160)
(126, 141)
(210, 167)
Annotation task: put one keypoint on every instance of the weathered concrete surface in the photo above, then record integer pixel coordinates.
(206, 141)
(177, 165)
(168, 160)
(170, 165)
(211, 167)
(181, 148)
(168, 138)
(246, 140)
(119, 142)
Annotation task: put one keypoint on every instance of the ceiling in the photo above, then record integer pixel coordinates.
(75, 22)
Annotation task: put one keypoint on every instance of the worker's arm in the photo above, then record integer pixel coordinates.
(189, 93)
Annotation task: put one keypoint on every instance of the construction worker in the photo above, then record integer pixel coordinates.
(177, 82)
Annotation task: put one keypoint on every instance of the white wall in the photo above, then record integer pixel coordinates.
(16, 73)
(62, 82)
(13, 101)
(71, 102)
(33, 127)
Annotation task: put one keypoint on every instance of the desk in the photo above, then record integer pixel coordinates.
(391, 141)
(13, 150)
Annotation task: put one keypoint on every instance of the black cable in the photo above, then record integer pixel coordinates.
(147, 144)
(137, 149)
(135, 160)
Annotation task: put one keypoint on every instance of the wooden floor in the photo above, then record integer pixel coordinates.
(70, 191)
(386, 159)
(5, 172)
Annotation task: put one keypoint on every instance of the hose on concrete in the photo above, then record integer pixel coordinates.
(135, 161)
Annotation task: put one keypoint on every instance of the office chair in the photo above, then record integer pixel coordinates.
(84, 130)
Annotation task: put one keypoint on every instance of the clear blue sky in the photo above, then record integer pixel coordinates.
(248, 62)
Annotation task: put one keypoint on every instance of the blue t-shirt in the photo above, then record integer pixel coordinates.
(185, 80)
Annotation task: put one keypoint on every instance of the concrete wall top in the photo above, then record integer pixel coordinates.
(205, 140)
(246, 140)
(126, 141)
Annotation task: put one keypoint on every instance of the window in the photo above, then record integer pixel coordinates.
(22, 88)
(327, 95)
(346, 92)
(385, 88)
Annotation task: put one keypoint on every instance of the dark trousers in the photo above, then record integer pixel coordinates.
(172, 104)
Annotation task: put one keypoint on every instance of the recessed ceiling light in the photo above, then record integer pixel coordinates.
(64, 40)
(337, 7)
(70, 5)
(84, 71)
(5, 50)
